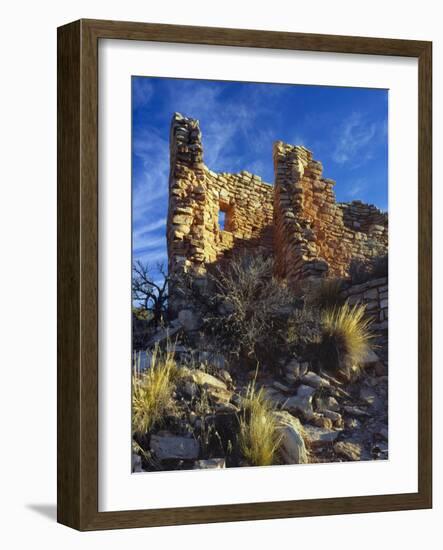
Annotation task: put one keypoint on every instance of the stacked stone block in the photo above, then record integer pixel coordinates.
(374, 295)
(366, 218)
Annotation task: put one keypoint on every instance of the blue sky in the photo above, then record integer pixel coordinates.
(346, 128)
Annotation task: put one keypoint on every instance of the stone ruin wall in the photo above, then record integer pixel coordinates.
(373, 294)
(365, 218)
(197, 195)
(314, 235)
(297, 220)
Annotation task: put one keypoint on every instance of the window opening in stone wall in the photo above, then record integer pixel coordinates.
(221, 220)
(224, 217)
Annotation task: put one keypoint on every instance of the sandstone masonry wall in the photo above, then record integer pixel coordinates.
(366, 218)
(297, 220)
(315, 235)
(374, 294)
(197, 195)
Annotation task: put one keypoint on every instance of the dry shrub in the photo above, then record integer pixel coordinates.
(249, 308)
(258, 438)
(346, 336)
(152, 391)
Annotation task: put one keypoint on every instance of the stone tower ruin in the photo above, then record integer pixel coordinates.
(296, 220)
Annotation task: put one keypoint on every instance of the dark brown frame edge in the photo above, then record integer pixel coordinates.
(77, 455)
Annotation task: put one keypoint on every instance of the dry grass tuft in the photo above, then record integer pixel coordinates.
(346, 335)
(152, 391)
(259, 438)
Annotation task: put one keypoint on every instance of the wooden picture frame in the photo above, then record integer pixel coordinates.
(78, 273)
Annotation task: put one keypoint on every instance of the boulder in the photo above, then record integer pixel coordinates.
(216, 388)
(166, 446)
(207, 380)
(292, 446)
(319, 436)
(302, 402)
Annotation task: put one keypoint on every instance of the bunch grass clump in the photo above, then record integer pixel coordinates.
(259, 438)
(152, 391)
(346, 335)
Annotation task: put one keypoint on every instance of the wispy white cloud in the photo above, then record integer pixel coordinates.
(145, 229)
(356, 188)
(353, 140)
(151, 257)
(151, 244)
(142, 91)
(256, 167)
(149, 197)
(222, 120)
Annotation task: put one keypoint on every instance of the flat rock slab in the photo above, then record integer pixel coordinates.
(320, 436)
(207, 380)
(216, 388)
(314, 380)
(167, 446)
